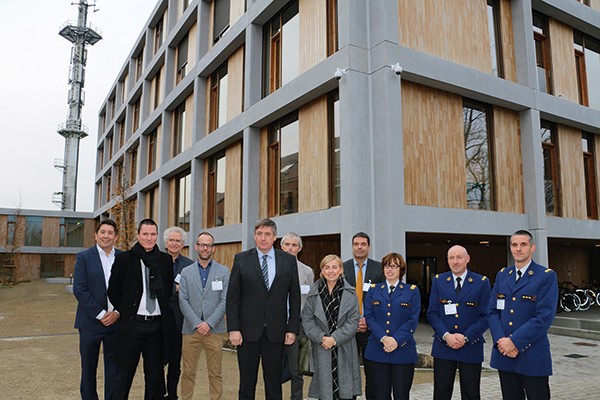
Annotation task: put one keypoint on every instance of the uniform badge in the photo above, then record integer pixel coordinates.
(448, 279)
(376, 302)
(470, 280)
(530, 272)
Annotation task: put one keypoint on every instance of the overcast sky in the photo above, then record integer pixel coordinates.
(34, 71)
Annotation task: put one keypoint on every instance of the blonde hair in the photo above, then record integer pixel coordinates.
(328, 258)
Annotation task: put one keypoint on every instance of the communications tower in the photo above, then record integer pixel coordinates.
(81, 34)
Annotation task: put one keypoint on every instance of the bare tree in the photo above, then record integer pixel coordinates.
(14, 241)
(123, 211)
(477, 160)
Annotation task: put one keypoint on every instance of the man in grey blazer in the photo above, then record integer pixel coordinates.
(292, 243)
(202, 295)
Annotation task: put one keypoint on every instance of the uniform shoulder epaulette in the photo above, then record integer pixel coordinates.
(483, 278)
(548, 270)
(502, 270)
(437, 276)
(412, 287)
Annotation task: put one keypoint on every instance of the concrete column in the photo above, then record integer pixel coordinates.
(163, 209)
(250, 184)
(196, 222)
(253, 66)
(524, 43)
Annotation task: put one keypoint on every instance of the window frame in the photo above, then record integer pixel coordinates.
(591, 191)
(541, 36)
(212, 215)
(550, 153)
(181, 64)
(178, 136)
(152, 151)
(186, 177)
(215, 98)
(274, 165)
(334, 170)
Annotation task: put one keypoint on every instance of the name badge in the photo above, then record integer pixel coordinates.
(366, 286)
(450, 309)
(217, 285)
(304, 289)
(500, 304)
(178, 279)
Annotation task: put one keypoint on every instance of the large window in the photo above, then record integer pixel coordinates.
(182, 59)
(542, 52)
(11, 230)
(156, 92)
(216, 190)
(281, 49)
(139, 64)
(183, 193)
(283, 166)
(493, 14)
(109, 147)
(71, 232)
(136, 115)
(220, 18)
(476, 118)
(218, 98)
(587, 61)
(334, 146)
(179, 131)
(152, 151)
(121, 129)
(133, 156)
(158, 34)
(587, 144)
(33, 231)
(551, 175)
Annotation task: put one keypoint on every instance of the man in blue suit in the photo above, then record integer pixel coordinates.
(458, 315)
(521, 310)
(95, 316)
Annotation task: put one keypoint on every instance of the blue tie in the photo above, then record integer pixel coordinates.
(265, 270)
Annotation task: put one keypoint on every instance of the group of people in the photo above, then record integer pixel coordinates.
(168, 309)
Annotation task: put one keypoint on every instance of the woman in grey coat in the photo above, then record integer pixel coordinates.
(330, 321)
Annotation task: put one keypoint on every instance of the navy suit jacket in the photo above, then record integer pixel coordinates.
(470, 317)
(526, 315)
(89, 287)
(182, 262)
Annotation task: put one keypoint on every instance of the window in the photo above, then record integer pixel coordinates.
(183, 193)
(133, 165)
(158, 34)
(216, 190)
(542, 52)
(139, 64)
(33, 231)
(586, 2)
(108, 188)
(220, 18)
(493, 14)
(52, 265)
(587, 61)
(112, 107)
(136, 115)
(333, 115)
(151, 201)
(179, 130)
(124, 83)
(152, 146)
(109, 147)
(281, 49)
(121, 128)
(11, 228)
(283, 166)
(156, 98)
(218, 98)
(587, 144)
(100, 162)
(71, 232)
(102, 122)
(550, 151)
(182, 59)
(332, 27)
(478, 155)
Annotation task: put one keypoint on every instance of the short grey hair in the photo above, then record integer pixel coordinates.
(266, 222)
(292, 236)
(172, 229)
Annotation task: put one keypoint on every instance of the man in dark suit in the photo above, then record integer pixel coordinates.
(261, 282)
(361, 272)
(521, 310)
(140, 288)
(174, 238)
(95, 316)
(458, 315)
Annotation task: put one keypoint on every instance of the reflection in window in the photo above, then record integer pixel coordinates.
(11, 227)
(52, 265)
(133, 155)
(183, 191)
(334, 146)
(477, 156)
(587, 144)
(158, 34)
(179, 130)
(282, 48)
(136, 115)
(216, 190)
(182, 59)
(550, 151)
(71, 232)
(218, 98)
(139, 65)
(542, 52)
(220, 18)
(33, 231)
(283, 166)
(152, 151)
(587, 60)
(493, 15)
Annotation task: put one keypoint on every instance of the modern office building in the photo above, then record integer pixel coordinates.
(423, 123)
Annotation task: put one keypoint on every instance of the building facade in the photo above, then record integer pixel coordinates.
(423, 123)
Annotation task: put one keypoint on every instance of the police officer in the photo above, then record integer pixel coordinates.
(458, 315)
(521, 310)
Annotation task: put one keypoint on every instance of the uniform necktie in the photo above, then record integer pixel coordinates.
(265, 270)
(458, 287)
(519, 275)
(150, 301)
(359, 289)
(392, 287)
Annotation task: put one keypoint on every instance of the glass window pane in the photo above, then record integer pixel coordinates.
(222, 100)
(220, 191)
(592, 67)
(33, 231)
(290, 50)
(288, 178)
(477, 154)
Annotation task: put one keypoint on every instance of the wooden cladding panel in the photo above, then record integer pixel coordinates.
(455, 30)
(69, 265)
(189, 122)
(237, 8)
(596, 151)
(192, 48)
(3, 229)
(89, 228)
(434, 162)
(225, 252)
(263, 204)
(28, 267)
(595, 4)
(233, 184)
(508, 168)
(570, 263)
(313, 157)
(572, 182)
(563, 60)
(50, 232)
(508, 43)
(313, 31)
(171, 217)
(235, 84)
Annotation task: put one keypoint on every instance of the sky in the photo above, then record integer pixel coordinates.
(34, 68)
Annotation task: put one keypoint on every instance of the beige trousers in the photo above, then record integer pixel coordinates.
(191, 349)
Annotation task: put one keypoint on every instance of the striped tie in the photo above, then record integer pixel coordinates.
(265, 271)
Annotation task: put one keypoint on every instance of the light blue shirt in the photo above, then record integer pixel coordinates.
(364, 271)
(270, 263)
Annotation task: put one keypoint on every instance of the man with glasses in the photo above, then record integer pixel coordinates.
(202, 296)
(458, 315)
(175, 238)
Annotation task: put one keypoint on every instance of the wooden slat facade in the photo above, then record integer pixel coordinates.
(508, 42)
(233, 184)
(563, 60)
(572, 184)
(225, 252)
(313, 31)
(50, 232)
(235, 84)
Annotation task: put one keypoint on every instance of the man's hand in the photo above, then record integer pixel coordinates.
(327, 342)
(507, 347)
(455, 340)
(362, 325)
(110, 317)
(290, 338)
(235, 337)
(389, 344)
(203, 329)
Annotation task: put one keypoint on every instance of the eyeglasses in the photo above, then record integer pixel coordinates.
(204, 245)
(391, 266)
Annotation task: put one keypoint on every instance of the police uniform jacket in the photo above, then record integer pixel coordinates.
(524, 311)
(469, 318)
(396, 316)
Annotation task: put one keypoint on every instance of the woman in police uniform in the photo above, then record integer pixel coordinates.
(392, 312)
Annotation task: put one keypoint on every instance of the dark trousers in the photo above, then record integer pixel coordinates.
(174, 369)
(516, 386)
(146, 340)
(392, 378)
(249, 355)
(89, 349)
(361, 341)
(297, 380)
(444, 372)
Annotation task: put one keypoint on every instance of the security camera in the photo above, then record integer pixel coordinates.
(396, 68)
(339, 73)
